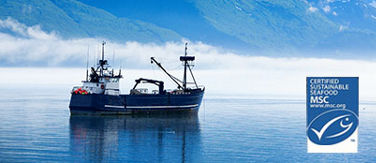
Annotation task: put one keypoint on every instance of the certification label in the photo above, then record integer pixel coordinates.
(332, 114)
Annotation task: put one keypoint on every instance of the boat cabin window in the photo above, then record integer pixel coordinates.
(114, 80)
(142, 90)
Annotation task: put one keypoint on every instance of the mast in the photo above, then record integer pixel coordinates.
(186, 59)
(87, 64)
(185, 69)
(103, 43)
(102, 62)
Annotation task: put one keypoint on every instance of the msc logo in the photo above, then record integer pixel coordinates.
(332, 127)
(319, 99)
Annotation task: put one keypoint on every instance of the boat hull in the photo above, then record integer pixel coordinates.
(133, 104)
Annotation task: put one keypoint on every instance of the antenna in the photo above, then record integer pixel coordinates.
(87, 64)
(120, 70)
(185, 68)
(103, 43)
(113, 58)
(186, 48)
(96, 55)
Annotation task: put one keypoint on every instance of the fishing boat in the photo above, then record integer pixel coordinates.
(100, 93)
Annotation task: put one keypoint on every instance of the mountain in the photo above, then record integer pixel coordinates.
(71, 19)
(180, 16)
(268, 24)
(354, 14)
(357, 24)
(261, 25)
(321, 27)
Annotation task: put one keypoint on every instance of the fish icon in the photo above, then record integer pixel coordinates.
(327, 125)
(332, 127)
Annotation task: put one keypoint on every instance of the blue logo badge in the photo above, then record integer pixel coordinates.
(332, 112)
(332, 127)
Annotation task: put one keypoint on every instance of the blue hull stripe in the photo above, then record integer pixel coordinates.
(181, 106)
(114, 106)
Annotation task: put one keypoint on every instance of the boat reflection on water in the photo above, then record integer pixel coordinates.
(172, 137)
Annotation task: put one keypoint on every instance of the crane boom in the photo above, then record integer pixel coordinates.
(173, 78)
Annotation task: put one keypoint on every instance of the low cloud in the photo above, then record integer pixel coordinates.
(222, 72)
(22, 45)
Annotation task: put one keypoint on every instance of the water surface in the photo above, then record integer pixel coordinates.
(36, 126)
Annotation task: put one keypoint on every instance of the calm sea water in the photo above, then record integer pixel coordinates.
(35, 125)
